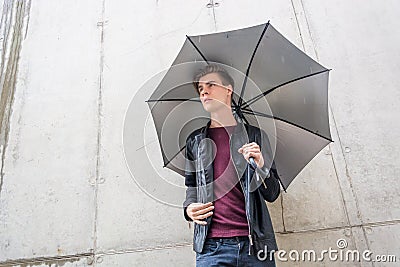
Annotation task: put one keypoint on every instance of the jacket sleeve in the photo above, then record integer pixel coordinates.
(270, 187)
(190, 180)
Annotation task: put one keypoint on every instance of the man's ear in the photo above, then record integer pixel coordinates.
(230, 89)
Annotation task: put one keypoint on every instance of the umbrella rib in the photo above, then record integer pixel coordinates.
(286, 121)
(234, 103)
(169, 161)
(251, 61)
(197, 49)
(172, 99)
(254, 99)
(244, 118)
(251, 112)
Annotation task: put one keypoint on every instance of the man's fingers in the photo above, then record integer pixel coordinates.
(252, 144)
(246, 147)
(203, 216)
(199, 211)
(200, 222)
(252, 150)
(246, 152)
(200, 206)
(202, 211)
(200, 219)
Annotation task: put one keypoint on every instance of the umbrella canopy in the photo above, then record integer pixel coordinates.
(278, 88)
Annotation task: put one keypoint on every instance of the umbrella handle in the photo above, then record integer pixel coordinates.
(253, 164)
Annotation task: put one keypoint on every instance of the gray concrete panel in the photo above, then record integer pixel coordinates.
(168, 257)
(136, 48)
(314, 200)
(47, 202)
(384, 242)
(276, 213)
(307, 248)
(65, 193)
(228, 15)
(361, 46)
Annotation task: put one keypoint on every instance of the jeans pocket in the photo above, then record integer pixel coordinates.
(210, 247)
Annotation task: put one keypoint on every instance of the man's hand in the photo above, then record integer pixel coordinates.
(199, 211)
(252, 150)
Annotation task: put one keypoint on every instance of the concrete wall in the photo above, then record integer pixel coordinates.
(69, 70)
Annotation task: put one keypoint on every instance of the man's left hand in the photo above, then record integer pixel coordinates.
(252, 150)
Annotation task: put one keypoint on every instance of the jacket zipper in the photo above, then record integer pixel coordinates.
(246, 201)
(247, 217)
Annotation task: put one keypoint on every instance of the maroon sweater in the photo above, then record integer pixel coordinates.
(229, 218)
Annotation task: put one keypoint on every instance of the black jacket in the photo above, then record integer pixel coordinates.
(257, 185)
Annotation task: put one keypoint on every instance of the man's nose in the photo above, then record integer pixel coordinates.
(204, 92)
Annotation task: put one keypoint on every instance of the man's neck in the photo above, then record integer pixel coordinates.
(222, 118)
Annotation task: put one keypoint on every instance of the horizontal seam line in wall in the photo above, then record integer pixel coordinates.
(371, 224)
(45, 259)
(86, 255)
(144, 249)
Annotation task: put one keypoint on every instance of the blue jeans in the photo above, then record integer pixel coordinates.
(230, 252)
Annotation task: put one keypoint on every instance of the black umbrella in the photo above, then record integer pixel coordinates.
(278, 88)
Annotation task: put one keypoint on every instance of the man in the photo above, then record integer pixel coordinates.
(225, 196)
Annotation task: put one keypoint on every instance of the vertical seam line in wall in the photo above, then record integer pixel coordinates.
(9, 79)
(298, 25)
(283, 219)
(339, 141)
(337, 178)
(316, 54)
(334, 165)
(214, 17)
(99, 125)
(28, 18)
(343, 154)
(309, 30)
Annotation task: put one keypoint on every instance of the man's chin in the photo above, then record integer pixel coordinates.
(210, 109)
(214, 108)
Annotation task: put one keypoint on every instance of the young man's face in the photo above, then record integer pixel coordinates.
(213, 94)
